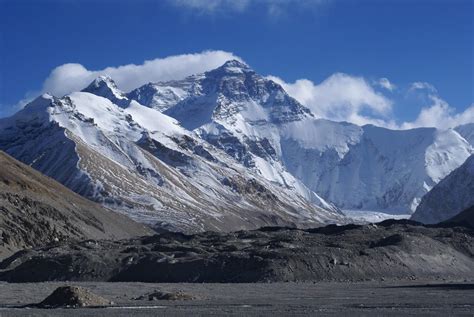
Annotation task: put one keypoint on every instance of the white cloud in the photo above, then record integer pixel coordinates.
(341, 97)
(74, 77)
(420, 85)
(440, 115)
(385, 83)
(211, 6)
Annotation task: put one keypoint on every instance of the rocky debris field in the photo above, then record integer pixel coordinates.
(388, 250)
(372, 298)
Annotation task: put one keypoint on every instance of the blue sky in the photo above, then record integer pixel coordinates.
(329, 43)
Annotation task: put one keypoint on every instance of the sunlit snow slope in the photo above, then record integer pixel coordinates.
(143, 163)
(359, 168)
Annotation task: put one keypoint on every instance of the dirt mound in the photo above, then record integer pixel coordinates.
(73, 297)
(394, 250)
(159, 295)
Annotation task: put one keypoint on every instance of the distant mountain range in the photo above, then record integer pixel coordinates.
(226, 150)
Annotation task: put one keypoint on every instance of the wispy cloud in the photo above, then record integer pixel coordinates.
(211, 6)
(385, 83)
(421, 85)
(274, 8)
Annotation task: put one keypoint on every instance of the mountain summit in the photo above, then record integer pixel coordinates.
(106, 87)
(143, 163)
(234, 64)
(254, 120)
(224, 150)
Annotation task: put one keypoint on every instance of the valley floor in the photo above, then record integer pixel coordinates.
(372, 298)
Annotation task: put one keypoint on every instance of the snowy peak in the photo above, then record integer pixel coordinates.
(39, 104)
(232, 67)
(105, 86)
(141, 162)
(37, 110)
(224, 94)
(231, 94)
(42, 101)
(448, 151)
(235, 63)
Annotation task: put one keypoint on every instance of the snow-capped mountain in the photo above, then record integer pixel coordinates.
(105, 86)
(372, 168)
(449, 197)
(224, 150)
(143, 163)
(255, 121)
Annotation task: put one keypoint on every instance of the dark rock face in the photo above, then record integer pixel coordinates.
(391, 249)
(464, 218)
(73, 297)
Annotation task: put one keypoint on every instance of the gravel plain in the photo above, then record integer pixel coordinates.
(371, 298)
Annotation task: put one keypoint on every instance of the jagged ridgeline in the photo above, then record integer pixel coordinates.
(225, 150)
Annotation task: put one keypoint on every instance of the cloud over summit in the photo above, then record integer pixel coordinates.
(340, 97)
(71, 77)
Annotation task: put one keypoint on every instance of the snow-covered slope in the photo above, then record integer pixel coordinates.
(255, 121)
(225, 150)
(452, 195)
(143, 163)
(371, 168)
(238, 111)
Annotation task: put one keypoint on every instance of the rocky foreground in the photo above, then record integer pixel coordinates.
(388, 250)
(374, 298)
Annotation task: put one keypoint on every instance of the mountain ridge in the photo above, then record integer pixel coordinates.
(228, 108)
(229, 149)
(143, 163)
(37, 210)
